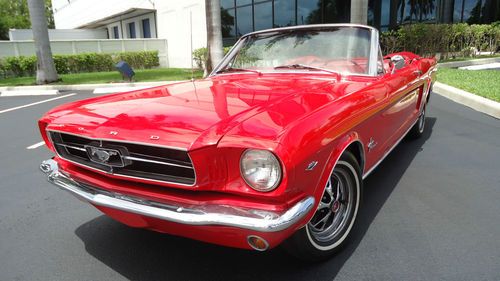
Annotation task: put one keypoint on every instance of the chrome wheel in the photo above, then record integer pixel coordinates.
(329, 228)
(334, 215)
(421, 121)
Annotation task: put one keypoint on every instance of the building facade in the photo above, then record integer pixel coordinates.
(183, 23)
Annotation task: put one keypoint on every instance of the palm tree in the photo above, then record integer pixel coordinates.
(45, 69)
(214, 34)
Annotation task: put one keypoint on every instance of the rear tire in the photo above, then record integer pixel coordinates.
(418, 129)
(329, 228)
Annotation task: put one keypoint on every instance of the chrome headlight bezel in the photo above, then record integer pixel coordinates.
(271, 159)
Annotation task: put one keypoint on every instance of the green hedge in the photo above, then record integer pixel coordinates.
(200, 56)
(448, 39)
(89, 62)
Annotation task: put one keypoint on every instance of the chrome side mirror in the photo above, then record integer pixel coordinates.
(398, 62)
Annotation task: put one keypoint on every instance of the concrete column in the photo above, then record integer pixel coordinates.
(359, 11)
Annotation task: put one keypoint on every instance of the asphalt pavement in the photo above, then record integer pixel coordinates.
(431, 212)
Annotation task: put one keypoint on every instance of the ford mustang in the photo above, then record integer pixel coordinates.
(269, 149)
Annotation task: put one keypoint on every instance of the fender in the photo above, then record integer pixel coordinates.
(338, 149)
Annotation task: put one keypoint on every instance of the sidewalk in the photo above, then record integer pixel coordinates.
(100, 88)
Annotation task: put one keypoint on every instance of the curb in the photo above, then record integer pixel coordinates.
(86, 87)
(456, 64)
(475, 102)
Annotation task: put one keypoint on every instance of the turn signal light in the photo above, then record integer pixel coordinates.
(257, 243)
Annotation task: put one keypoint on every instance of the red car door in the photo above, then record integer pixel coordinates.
(403, 90)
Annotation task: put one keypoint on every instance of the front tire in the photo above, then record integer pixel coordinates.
(329, 228)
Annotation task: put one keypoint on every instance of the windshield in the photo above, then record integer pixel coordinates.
(327, 49)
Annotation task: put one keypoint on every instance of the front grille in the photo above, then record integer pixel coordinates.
(131, 159)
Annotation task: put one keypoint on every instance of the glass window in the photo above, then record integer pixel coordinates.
(340, 49)
(371, 12)
(490, 11)
(227, 4)
(243, 2)
(457, 11)
(472, 11)
(308, 11)
(146, 28)
(244, 20)
(263, 15)
(227, 22)
(131, 30)
(116, 35)
(336, 11)
(284, 13)
(427, 10)
(385, 14)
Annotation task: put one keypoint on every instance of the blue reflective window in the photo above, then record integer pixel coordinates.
(336, 11)
(227, 4)
(263, 15)
(472, 11)
(308, 11)
(244, 20)
(284, 13)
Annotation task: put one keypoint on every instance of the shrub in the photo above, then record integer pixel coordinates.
(200, 56)
(448, 39)
(88, 62)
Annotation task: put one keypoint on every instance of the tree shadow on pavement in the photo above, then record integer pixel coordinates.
(139, 254)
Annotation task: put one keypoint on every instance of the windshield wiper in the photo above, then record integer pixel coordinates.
(303, 66)
(232, 69)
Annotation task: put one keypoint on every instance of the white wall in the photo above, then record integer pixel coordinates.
(172, 18)
(60, 34)
(65, 47)
(174, 25)
(75, 13)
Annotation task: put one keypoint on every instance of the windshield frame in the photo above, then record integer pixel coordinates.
(372, 60)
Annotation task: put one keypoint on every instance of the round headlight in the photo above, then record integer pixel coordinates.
(260, 169)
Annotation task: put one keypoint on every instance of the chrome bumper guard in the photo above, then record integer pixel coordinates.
(252, 219)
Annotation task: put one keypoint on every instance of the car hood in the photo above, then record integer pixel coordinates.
(185, 115)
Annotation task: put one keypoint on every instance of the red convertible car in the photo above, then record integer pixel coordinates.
(271, 148)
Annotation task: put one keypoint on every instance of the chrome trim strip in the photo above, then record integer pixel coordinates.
(232, 216)
(123, 141)
(387, 152)
(310, 26)
(156, 162)
(127, 176)
(70, 146)
(118, 174)
(372, 62)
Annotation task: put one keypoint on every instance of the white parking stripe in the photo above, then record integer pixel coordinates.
(35, 103)
(36, 145)
(19, 93)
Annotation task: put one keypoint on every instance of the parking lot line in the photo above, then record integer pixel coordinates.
(36, 145)
(35, 103)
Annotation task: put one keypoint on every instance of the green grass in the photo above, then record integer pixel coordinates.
(141, 75)
(485, 83)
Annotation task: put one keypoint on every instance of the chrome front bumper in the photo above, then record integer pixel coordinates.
(252, 219)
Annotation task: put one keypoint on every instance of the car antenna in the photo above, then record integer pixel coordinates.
(191, 42)
(191, 47)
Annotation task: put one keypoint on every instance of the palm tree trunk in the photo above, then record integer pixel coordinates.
(214, 34)
(45, 71)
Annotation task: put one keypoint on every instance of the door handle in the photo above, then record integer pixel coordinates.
(417, 72)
